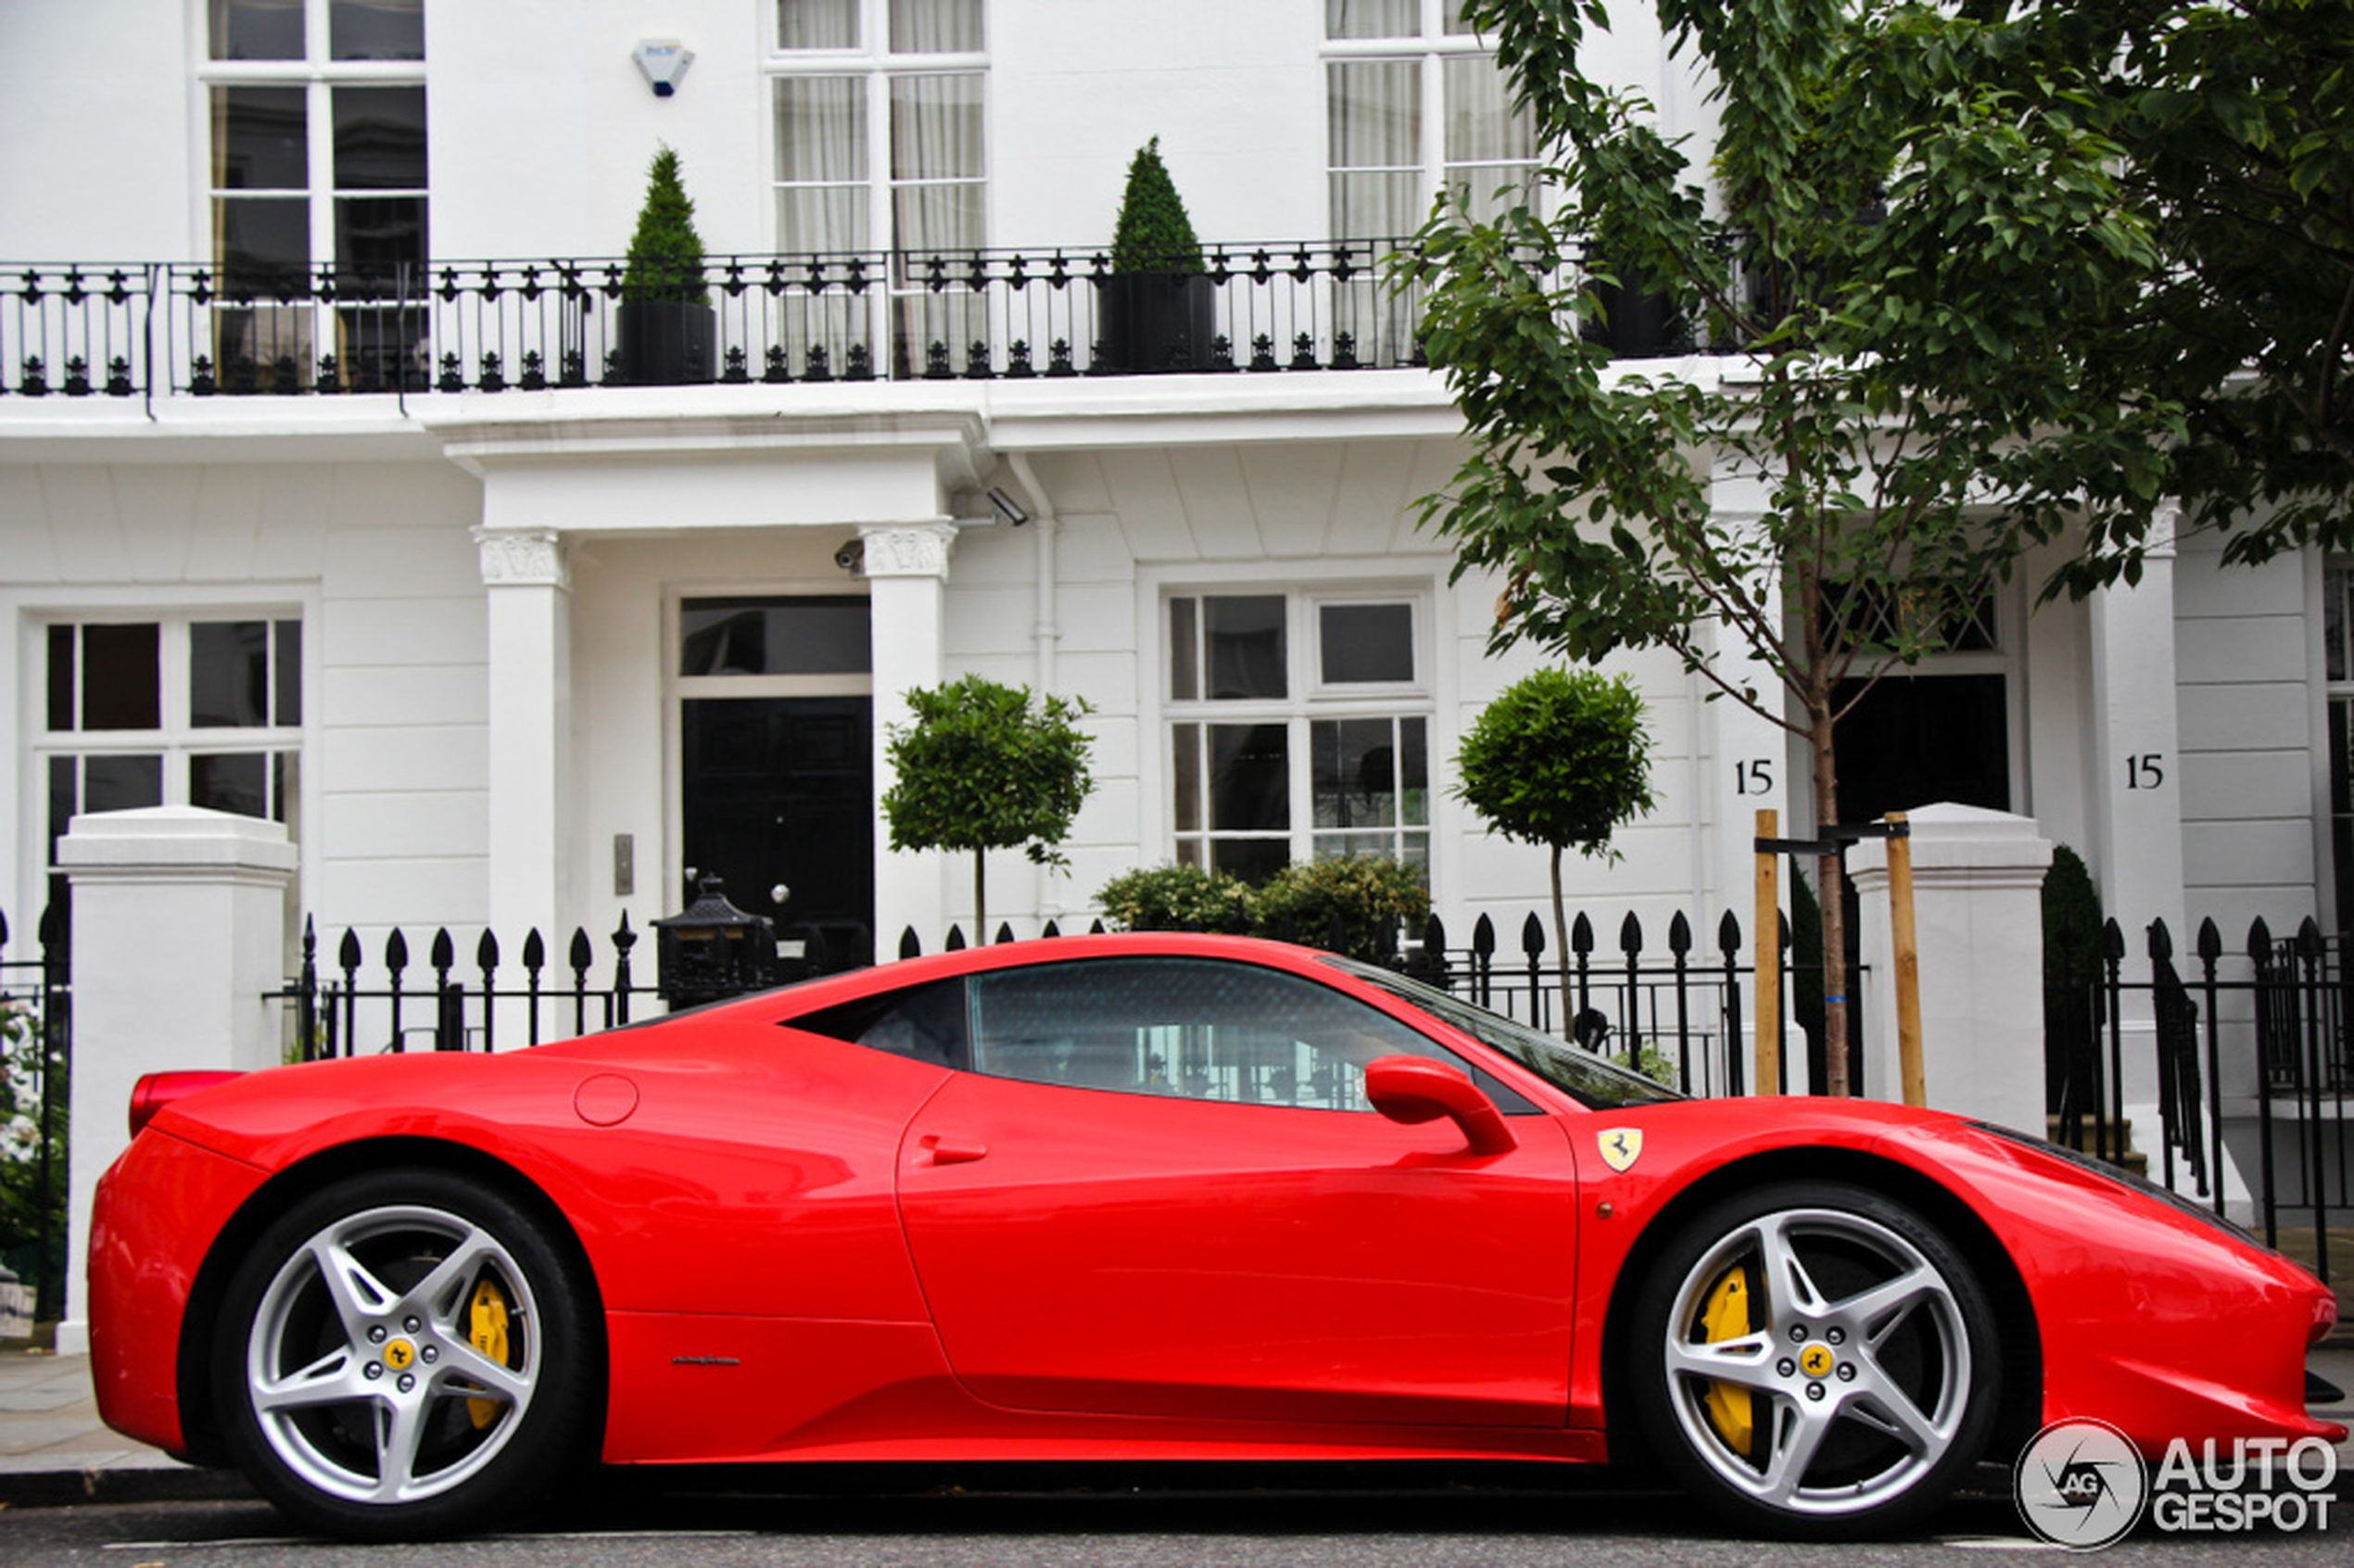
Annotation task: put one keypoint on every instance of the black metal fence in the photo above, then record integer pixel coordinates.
(152, 329)
(36, 1064)
(2254, 1070)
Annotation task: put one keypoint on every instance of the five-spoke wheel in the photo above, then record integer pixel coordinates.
(400, 1353)
(1816, 1359)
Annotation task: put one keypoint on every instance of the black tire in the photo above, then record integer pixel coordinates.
(1850, 1391)
(355, 1397)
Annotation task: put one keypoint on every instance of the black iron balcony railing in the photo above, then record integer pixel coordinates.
(86, 330)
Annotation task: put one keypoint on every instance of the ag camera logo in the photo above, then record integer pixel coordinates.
(2080, 1484)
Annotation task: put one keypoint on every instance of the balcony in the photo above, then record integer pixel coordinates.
(180, 329)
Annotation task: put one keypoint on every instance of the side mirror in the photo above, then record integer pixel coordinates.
(1415, 1089)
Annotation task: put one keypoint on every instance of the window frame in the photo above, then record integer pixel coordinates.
(1308, 700)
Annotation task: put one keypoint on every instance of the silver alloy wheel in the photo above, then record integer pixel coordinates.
(360, 1364)
(1859, 1383)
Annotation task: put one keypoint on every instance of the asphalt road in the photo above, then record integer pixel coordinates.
(1453, 1522)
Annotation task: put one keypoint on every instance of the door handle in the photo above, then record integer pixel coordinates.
(933, 1149)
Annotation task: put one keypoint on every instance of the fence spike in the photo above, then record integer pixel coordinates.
(1532, 935)
(582, 954)
(445, 952)
(1630, 935)
(348, 951)
(1434, 935)
(396, 951)
(1728, 934)
(1679, 935)
(310, 939)
(2211, 942)
(1005, 933)
(4, 927)
(2260, 939)
(910, 945)
(1051, 929)
(487, 951)
(1581, 933)
(1096, 926)
(1385, 938)
(2308, 939)
(1335, 934)
(2112, 941)
(2161, 940)
(1238, 923)
(535, 951)
(956, 943)
(623, 937)
(1483, 937)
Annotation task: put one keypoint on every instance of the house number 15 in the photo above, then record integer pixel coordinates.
(2146, 771)
(1754, 776)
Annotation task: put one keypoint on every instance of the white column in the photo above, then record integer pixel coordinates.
(179, 931)
(2137, 798)
(529, 594)
(906, 568)
(1978, 889)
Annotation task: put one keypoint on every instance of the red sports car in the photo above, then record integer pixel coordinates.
(1135, 1197)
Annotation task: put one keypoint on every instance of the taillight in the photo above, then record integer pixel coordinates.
(157, 1090)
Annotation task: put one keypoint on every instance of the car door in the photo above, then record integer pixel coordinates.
(1161, 1192)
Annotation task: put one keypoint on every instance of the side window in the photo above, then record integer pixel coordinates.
(925, 1023)
(1197, 1029)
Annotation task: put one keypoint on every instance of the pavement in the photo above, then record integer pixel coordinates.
(55, 1450)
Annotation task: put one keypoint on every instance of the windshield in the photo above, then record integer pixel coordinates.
(1590, 1080)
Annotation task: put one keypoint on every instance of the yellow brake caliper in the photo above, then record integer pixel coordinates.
(488, 1335)
(1731, 1409)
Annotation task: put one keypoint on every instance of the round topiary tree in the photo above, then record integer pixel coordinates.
(665, 254)
(1558, 759)
(1302, 901)
(984, 766)
(1153, 233)
(1176, 898)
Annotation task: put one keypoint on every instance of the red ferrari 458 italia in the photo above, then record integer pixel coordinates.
(1135, 1197)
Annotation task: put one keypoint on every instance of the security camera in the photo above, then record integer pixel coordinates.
(851, 556)
(663, 60)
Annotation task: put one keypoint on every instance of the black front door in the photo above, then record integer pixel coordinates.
(779, 792)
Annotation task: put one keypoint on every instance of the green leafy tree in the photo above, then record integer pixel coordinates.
(987, 766)
(1176, 898)
(1362, 890)
(1560, 758)
(1889, 251)
(1153, 233)
(665, 254)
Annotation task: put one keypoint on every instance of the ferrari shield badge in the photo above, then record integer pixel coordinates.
(1621, 1145)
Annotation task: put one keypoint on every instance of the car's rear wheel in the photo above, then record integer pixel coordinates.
(1814, 1359)
(404, 1353)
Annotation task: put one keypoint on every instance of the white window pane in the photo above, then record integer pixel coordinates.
(936, 127)
(1455, 26)
(1374, 107)
(816, 24)
(821, 128)
(820, 218)
(1364, 643)
(1482, 124)
(935, 27)
(261, 139)
(940, 218)
(1373, 19)
(1376, 206)
(376, 30)
(257, 30)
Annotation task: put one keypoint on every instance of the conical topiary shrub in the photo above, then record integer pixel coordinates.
(1159, 309)
(665, 254)
(1153, 233)
(665, 318)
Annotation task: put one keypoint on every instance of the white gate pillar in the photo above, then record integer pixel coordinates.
(906, 568)
(1978, 890)
(530, 733)
(179, 932)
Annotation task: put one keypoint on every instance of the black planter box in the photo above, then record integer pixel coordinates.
(664, 343)
(1156, 321)
(1636, 323)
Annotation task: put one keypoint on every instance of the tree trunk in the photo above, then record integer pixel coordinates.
(1560, 949)
(980, 903)
(1828, 892)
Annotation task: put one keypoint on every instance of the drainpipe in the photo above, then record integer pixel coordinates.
(1044, 634)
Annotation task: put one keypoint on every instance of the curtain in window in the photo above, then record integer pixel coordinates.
(1490, 146)
(936, 162)
(821, 163)
(935, 27)
(1376, 125)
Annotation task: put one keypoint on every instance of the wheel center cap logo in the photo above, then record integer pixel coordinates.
(399, 1354)
(1816, 1360)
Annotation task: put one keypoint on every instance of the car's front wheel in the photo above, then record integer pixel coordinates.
(402, 1354)
(1814, 1359)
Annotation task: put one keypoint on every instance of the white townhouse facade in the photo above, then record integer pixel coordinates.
(325, 495)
